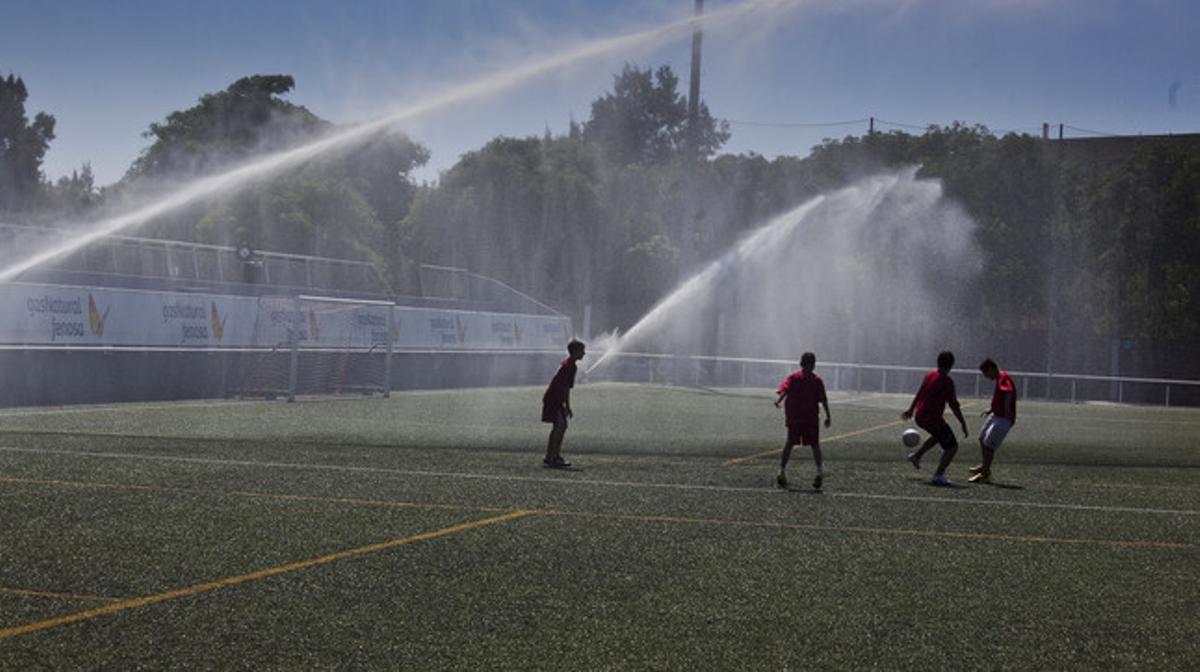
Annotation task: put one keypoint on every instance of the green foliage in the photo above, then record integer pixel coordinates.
(306, 212)
(645, 120)
(612, 213)
(75, 194)
(22, 146)
(1143, 237)
(224, 127)
(347, 204)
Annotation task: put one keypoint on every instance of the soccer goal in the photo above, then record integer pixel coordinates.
(317, 345)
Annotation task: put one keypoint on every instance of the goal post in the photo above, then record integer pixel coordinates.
(319, 345)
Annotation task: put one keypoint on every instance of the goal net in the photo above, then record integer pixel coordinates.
(317, 345)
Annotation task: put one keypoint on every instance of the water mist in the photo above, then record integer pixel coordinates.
(873, 272)
(251, 172)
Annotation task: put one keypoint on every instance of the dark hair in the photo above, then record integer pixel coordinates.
(988, 363)
(808, 360)
(574, 346)
(945, 360)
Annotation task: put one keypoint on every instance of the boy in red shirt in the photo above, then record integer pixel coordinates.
(1003, 412)
(804, 390)
(556, 404)
(935, 393)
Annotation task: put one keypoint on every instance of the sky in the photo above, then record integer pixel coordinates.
(785, 78)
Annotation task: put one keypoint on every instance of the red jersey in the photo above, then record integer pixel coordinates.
(1004, 386)
(805, 390)
(556, 392)
(935, 392)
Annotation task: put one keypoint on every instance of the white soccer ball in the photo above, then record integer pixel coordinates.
(910, 438)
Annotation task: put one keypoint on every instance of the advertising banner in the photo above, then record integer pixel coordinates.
(58, 315)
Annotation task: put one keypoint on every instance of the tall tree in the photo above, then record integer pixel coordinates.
(249, 116)
(76, 193)
(22, 146)
(644, 119)
(346, 203)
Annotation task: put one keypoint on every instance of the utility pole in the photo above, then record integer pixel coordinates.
(694, 86)
(710, 334)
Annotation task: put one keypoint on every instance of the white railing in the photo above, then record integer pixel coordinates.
(707, 370)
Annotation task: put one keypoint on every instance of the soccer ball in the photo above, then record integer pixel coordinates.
(910, 438)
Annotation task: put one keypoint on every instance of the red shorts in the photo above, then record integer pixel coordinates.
(805, 435)
(553, 412)
(933, 426)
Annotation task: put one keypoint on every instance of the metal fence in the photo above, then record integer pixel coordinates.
(710, 371)
(113, 257)
(458, 284)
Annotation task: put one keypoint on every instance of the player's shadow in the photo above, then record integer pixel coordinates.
(802, 491)
(943, 486)
(1006, 486)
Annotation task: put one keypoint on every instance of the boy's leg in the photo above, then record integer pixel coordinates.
(929, 443)
(988, 456)
(949, 448)
(554, 443)
(915, 456)
(781, 479)
(816, 450)
(990, 438)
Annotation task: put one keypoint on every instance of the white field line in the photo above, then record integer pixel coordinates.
(165, 405)
(588, 482)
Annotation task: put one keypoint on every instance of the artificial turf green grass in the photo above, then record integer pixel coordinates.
(620, 591)
(691, 597)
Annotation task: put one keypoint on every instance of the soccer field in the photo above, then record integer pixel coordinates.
(421, 532)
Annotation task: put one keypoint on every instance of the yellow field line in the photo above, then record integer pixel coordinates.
(97, 485)
(871, 530)
(656, 518)
(264, 495)
(58, 596)
(124, 605)
(847, 435)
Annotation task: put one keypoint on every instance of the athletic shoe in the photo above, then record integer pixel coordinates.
(939, 479)
(975, 469)
(781, 480)
(547, 461)
(817, 481)
(560, 463)
(980, 477)
(915, 459)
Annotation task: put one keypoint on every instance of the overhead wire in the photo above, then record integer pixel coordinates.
(899, 124)
(798, 124)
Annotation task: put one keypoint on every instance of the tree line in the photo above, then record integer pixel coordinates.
(613, 212)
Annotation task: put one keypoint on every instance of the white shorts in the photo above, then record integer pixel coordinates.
(994, 431)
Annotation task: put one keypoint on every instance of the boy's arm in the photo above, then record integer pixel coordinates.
(828, 417)
(779, 399)
(957, 410)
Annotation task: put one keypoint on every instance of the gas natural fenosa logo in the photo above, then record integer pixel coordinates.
(218, 322)
(95, 318)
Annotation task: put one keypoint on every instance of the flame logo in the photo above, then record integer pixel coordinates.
(95, 319)
(218, 324)
(314, 329)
